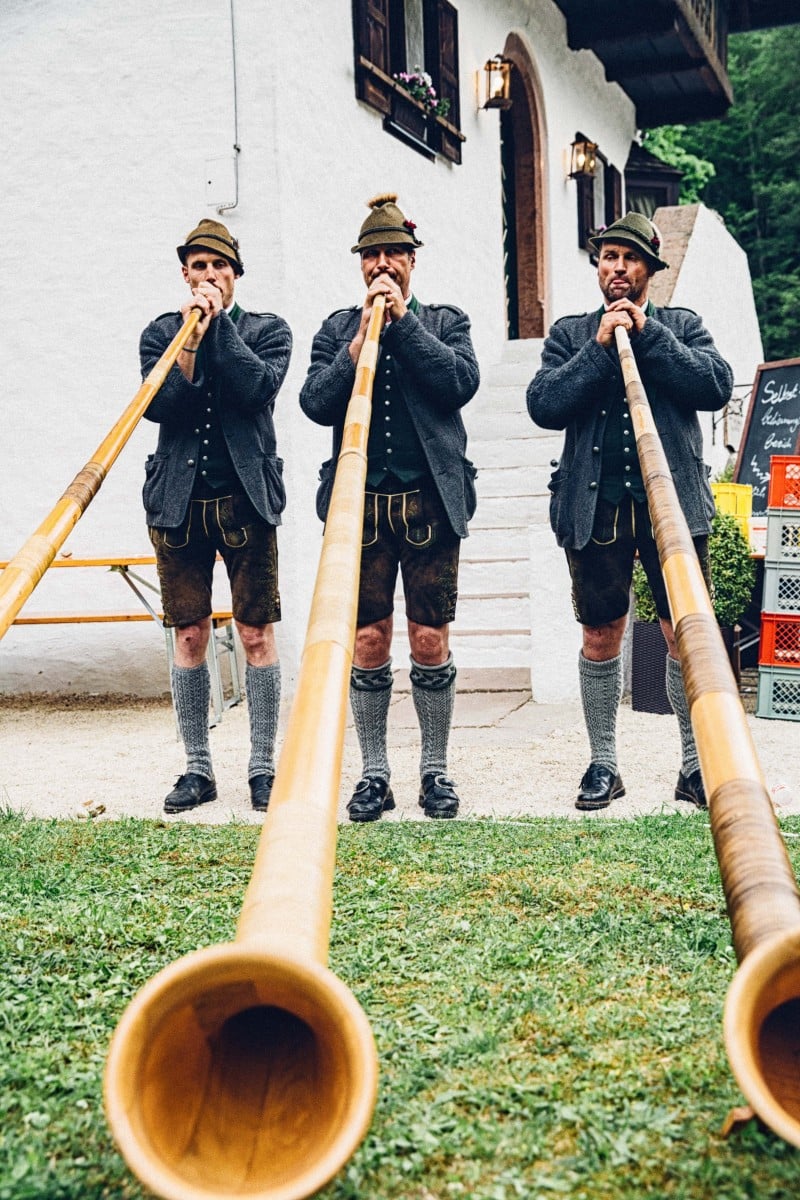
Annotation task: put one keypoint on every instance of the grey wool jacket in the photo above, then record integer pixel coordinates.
(438, 375)
(682, 372)
(246, 365)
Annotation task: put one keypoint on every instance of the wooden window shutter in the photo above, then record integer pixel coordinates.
(371, 40)
(441, 62)
(613, 195)
(371, 22)
(441, 53)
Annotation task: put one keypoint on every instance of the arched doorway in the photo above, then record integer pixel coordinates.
(522, 157)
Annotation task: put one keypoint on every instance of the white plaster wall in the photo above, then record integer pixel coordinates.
(715, 281)
(111, 115)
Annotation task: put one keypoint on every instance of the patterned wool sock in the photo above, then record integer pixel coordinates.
(370, 695)
(433, 690)
(677, 698)
(191, 692)
(263, 688)
(601, 692)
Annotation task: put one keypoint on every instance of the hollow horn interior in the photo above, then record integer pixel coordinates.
(762, 1032)
(238, 1073)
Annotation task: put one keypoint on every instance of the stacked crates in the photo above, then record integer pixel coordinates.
(779, 650)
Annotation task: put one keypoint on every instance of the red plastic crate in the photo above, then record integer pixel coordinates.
(780, 640)
(784, 481)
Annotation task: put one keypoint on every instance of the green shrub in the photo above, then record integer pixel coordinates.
(733, 574)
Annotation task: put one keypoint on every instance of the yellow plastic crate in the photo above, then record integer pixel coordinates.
(737, 500)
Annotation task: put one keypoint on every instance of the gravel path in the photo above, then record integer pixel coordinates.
(114, 756)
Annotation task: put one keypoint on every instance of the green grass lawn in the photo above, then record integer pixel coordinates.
(546, 998)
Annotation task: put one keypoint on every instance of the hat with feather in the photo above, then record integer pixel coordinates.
(213, 235)
(386, 225)
(634, 230)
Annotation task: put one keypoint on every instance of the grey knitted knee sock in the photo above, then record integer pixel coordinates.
(601, 692)
(191, 692)
(370, 695)
(263, 688)
(433, 690)
(677, 698)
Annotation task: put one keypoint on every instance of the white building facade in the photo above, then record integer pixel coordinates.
(126, 124)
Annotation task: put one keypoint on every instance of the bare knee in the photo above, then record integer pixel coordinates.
(191, 643)
(373, 644)
(259, 645)
(430, 644)
(602, 642)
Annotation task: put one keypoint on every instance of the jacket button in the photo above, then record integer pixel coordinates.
(592, 485)
(595, 449)
(197, 430)
(553, 462)
(602, 412)
(190, 462)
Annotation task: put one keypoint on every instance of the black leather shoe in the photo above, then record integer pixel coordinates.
(599, 787)
(190, 790)
(260, 791)
(437, 796)
(690, 788)
(372, 797)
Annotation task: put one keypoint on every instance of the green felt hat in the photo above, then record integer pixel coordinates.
(386, 225)
(635, 230)
(212, 235)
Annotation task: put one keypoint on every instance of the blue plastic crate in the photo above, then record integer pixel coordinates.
(778, 693)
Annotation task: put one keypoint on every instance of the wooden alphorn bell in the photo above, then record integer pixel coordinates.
(248, 1069)
(29, 564)
(762, 1010)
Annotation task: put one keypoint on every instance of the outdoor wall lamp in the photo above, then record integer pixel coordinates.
(583, 158)
(497, 79)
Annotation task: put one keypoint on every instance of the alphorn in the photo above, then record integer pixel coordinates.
(29, 564)
(248, 1069)
(762, 1010)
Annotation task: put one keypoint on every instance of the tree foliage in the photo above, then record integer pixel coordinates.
(754, 182)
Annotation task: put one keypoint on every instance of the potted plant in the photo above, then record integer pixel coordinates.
(648, 650)
(419, 84)
(733, 576)
(415, 100)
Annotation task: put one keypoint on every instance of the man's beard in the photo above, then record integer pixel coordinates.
(634, 293)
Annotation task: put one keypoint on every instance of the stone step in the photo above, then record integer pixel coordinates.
(484, 576)
(512, 481)
(496, 512)
(482, 649)
(514, 373)
(494, 610)
(487, 542)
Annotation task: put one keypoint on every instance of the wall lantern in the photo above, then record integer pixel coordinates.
(497, 75)
(583, 158)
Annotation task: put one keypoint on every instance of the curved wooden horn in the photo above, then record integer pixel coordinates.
(249, 1069)
(29, 564)
(762, 1012)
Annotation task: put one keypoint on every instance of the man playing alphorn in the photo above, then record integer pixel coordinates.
(419, 497)
(214, 485)
(598, 507)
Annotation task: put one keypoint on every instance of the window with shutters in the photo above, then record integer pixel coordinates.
(599, 201)
(417, 38)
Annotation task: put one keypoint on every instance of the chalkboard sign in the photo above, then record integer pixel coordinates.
(772, 426)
